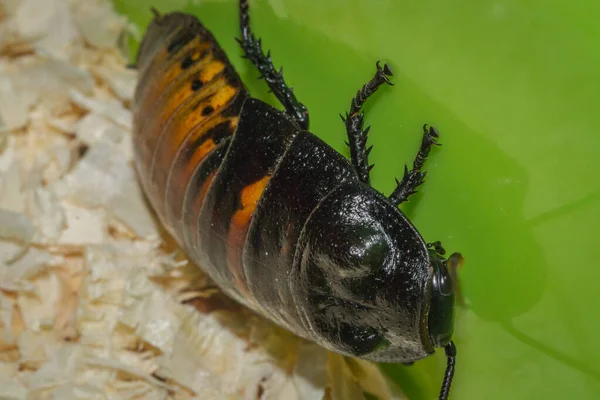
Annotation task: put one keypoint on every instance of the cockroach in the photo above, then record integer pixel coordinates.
(279, 220)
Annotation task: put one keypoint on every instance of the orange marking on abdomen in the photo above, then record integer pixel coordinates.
(186, 93)
(238, 230)
(162, 70)
(159, 109)
(188, 168)
(191, 117)
(176, 89)
(205, 148)
(178, 98)
(195, 148)
(178, 181)
(190, 214)
(211, 70)
(174, 133)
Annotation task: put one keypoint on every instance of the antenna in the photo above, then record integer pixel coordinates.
(449, 374)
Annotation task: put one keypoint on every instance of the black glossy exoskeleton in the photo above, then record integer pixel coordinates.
(280, 221)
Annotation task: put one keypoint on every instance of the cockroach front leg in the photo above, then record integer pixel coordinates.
(357, 136)
(253, 51)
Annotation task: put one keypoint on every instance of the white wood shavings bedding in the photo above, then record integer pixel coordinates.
(94, 301)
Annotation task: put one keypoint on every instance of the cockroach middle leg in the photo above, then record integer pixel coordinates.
(253, 51)
(413, 178)
(357, 136)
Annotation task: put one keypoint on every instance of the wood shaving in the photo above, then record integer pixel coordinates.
(95, 300)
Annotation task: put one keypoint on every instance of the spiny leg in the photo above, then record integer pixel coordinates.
(413, 178)
(357, 136)
(253, 51)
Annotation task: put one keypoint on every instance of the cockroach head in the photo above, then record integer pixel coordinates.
(443, 293)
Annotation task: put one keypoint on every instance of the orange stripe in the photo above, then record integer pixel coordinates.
(179, 87)
(182, 100)
(190, 216)
(205, 148)
(161, 71)
(174, 134)
(238, 229)
(158, 106)
(192, 152)
(169, 136)
(211, 70)
(171, 128)
(178, 183)
(186, 171)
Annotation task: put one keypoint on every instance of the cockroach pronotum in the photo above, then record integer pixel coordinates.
(282, 222)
